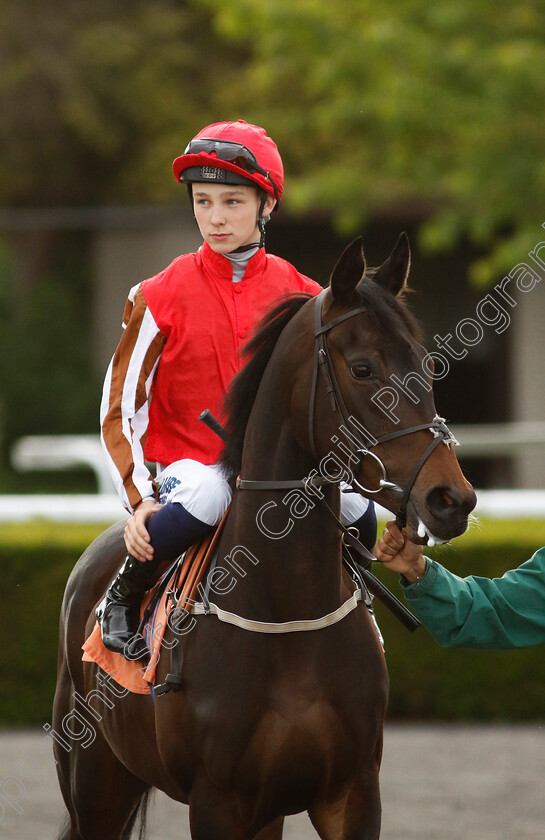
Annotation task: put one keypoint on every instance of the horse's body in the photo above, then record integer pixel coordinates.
(266, 724)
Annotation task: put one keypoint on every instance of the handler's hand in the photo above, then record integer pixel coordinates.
(137, 538)
(400, 554)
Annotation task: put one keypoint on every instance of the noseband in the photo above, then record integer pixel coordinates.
(324, 365)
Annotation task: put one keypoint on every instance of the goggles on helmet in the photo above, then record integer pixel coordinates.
(230, 152)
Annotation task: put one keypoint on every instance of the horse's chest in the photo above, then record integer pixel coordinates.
(291, 741)
(285, 715)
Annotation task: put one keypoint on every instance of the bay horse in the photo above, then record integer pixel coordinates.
(269, 724)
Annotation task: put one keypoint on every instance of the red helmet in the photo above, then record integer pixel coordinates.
(241, 151)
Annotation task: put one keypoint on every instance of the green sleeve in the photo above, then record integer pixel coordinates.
(478, 612)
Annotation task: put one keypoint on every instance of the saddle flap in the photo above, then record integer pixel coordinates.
(183, 579)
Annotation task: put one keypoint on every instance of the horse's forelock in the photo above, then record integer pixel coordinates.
(389, 309)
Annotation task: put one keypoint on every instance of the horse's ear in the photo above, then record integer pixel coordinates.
(392, 274)
(348, 272)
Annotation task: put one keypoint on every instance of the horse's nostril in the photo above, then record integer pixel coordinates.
(443, 501)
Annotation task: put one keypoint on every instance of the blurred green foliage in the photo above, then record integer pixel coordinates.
(426, 682)
(436, 106)
(398, 103)
(97, 99)
(35, 562)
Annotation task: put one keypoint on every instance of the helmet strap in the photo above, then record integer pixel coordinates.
(262, 220)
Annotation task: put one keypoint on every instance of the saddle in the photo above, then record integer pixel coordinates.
(181, 584)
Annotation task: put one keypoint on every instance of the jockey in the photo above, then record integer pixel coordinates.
(180, 348)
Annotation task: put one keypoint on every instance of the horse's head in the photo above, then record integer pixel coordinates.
(372, 398)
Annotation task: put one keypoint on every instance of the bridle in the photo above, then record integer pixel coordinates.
(358, 451)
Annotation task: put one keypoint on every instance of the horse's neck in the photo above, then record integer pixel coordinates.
(285, 561)
(288, 547)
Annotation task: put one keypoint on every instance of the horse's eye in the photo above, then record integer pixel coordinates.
(360, 371)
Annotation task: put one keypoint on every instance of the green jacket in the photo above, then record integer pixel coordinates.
(479, 612)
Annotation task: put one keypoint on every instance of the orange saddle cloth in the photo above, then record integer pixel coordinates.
(184, 577)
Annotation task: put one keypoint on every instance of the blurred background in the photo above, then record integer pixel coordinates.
(406, 115)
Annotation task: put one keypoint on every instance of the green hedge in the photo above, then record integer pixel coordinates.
(35, 562)
(427, 682)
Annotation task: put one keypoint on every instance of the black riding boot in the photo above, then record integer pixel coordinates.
(172, 530)
(119, 612)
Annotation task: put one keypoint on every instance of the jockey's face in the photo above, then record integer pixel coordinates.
(227, 215)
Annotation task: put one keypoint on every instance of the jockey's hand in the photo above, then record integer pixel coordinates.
(137, 538)
(399, 554)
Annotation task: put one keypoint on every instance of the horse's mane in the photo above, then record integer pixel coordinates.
(241, 394)
(383, 307)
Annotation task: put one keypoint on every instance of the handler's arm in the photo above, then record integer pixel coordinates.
(478, 612)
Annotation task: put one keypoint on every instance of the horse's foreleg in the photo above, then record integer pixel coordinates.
(220, 822)
(273, 831)
(354, 816)
(214, 815)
